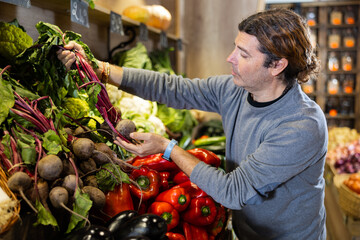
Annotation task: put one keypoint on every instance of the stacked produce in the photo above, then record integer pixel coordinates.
(340, 136)
(56, 147)
(169, 193)
(353, 183)
(344, 156)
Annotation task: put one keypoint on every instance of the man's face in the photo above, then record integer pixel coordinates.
(247, 63)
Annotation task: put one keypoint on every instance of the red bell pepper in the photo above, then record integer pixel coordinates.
(155, 162)
(118, 200)
(192, 232)
(192, 189)
(201, 211)
(148, 180)
(206, 156)
(180, 177)
(177, 197)
(220, 220)
(164, 180)
(167, 212)
(175, 236)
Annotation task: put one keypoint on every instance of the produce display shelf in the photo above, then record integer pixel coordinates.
(99, 14)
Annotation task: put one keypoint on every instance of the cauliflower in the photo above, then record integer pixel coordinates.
(76, 107)
(13, 40)
(135, 104)
(114, 93)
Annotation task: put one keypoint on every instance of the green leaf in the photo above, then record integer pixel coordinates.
(7, 148)
(81, 206)
(52, 142)
(44, 217)
(109, 176)
(7, 100)
(93, 92)
(26, 147)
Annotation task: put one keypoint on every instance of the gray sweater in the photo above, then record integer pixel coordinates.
(275, 154)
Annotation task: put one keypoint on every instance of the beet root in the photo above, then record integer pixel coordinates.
(102, 154)
(69, 184)
(50, 167)
(19, 182)
(96, 196)
(83, 148)
(58, 196)
(125, 127)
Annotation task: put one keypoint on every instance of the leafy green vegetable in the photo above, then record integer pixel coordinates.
(91, 3)
(13, 39)
(7, 99)
(76, 107)
(136, 57)
(44, 217)
(39, 69)
(52, 142)
(6, 143)
(109, 176)
(177, 120)
(82, 205)
(26, 147)
(161, 61)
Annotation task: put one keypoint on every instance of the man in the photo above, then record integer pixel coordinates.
(276, 137)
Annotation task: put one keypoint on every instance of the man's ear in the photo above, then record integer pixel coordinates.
(279, 66)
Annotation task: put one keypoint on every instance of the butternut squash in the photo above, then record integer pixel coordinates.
(152, 15)
(137, 13)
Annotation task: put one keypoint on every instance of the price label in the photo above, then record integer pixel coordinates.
(21, 3)
(143, 32)
(163, 40)
(79, 12)
(116, 25)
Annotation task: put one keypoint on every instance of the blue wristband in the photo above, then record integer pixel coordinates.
(168, 149)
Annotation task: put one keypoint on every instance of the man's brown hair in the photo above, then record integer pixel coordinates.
(284, 34)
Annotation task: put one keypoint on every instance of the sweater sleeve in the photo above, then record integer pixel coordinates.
(284, 152)
(174, 91)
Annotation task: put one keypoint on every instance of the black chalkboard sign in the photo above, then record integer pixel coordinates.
(79, 12)
(179, 44)
(143, 32)
(22, 3)
(116, 25)
(163, 40)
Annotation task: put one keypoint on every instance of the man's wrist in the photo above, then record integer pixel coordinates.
(169, 149)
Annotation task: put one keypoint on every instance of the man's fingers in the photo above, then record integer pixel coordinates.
(128, 146)
(70, 45)
(139, 136)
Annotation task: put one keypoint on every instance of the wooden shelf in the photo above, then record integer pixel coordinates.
(99, 14)
(340, 116)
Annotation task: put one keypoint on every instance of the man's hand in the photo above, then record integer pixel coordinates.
(67, 57)
(151, 143)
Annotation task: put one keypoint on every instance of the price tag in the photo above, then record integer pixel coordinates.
(21, 3)
(79, 12)
(116, 25)
(179, 44)
(143, 32)
(163, 40)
